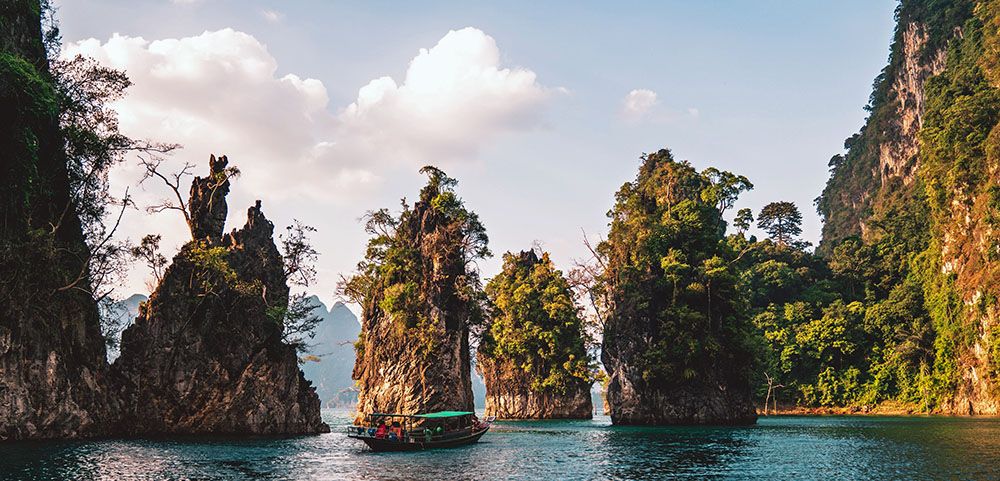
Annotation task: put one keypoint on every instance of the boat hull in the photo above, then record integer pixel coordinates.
(383, 444)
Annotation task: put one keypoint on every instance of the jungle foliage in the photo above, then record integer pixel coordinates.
(892, 318)
(422, 262)
(672, 302)
(535, 327)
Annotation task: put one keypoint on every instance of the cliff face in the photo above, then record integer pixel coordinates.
(508, 398)
(881, 163)
(713, 400)
(532, 354)
(931, 150)
(205, 354)
(961, 168)
(53, 373)
(419, 298)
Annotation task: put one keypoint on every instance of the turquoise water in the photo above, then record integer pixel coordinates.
(823, 448)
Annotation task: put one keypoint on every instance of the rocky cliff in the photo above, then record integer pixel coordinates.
(918, 184)
(419, 297)
(205, 354)
(53, 373)
(675, 329)
(532, 354)
(881, 161)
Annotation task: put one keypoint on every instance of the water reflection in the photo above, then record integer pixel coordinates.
(825, 449)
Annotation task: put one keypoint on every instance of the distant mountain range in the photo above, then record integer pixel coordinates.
(124, 312)
(332, 354)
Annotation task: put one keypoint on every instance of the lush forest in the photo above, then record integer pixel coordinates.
(535, 326)
(899, 304)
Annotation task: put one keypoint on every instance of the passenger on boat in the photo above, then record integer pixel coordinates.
(382, 430)
(397, 430)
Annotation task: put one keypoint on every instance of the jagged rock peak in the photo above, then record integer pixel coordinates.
(205, 355)
(208, 200)
(257, 230)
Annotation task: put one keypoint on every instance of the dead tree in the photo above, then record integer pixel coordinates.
(771, 387)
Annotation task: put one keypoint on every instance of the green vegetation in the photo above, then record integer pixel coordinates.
(535, 330)
(671, 300)
(781, 220)
(895, 315)
(420, 264)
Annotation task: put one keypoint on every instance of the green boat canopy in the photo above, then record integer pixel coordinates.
(444, 414)
(437, 415)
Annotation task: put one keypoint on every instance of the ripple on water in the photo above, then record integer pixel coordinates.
(821, 448)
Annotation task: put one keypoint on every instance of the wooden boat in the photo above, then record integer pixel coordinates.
(411, 432)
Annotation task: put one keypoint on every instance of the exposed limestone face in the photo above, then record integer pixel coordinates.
(205, 354)
(883, 161)
(417, 359)
(969, 241)
(898, 153)
(395, 377)
(53, 372)
(712, 400)
(515, 400)
(208, 201)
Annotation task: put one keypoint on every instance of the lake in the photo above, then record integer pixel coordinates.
(778, 447)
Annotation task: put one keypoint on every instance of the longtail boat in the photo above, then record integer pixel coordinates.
(410, 432)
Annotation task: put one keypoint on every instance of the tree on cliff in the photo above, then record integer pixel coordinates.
(397, 268)
(420, 293)
(55, 373)
(535, 338)
(224, 300)
(743, 220)
(677, 325)
(782, 221)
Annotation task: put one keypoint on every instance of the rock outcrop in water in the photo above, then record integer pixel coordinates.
(419, 296)
(674, 338)
(53, 372)
(532, 354)
(206, 354)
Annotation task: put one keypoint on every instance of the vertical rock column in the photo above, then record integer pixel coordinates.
(205, 354)
(53, 370)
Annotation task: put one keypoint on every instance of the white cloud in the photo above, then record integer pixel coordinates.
(272, 16)
(220, 92)
(454, 97)
(185, 2)
(638, 104)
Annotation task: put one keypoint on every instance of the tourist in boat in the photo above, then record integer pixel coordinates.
(382, 430)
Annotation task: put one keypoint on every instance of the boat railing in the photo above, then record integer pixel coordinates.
(419, 435)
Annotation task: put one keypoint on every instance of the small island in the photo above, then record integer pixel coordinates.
(532, 354)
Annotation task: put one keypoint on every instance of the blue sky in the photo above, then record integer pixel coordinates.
(767, 89)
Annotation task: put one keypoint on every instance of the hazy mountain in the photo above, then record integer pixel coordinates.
(123, 312)
(333, 348)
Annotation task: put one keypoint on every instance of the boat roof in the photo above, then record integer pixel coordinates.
(434, 415)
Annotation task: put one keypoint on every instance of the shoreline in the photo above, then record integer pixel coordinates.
(896, 410)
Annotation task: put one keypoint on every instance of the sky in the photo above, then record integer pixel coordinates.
(541, 110)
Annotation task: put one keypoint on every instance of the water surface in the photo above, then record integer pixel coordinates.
(821, 448)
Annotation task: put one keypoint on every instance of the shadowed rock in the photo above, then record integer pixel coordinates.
(205, 354)
(208, 200)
